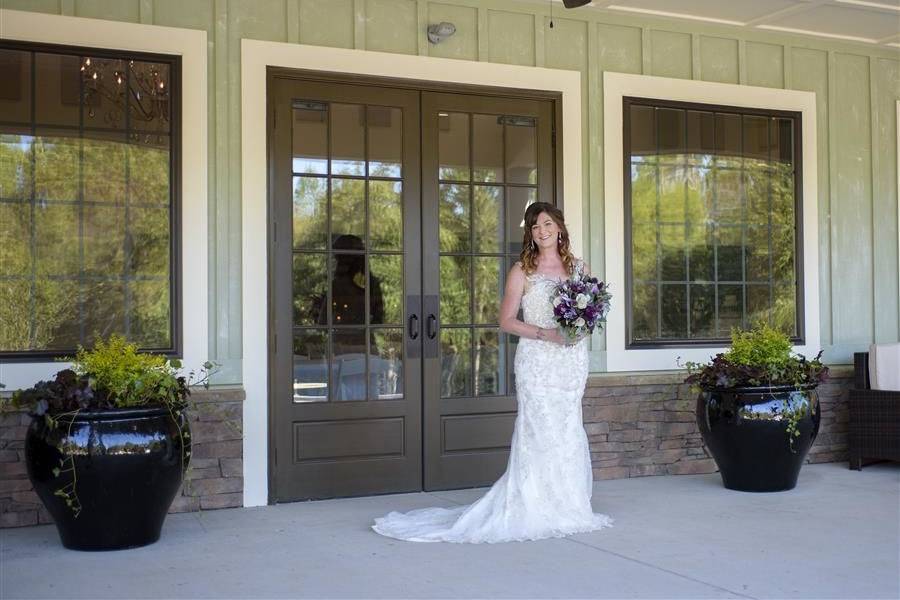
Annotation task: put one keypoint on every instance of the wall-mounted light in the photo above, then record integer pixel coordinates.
(440, 32)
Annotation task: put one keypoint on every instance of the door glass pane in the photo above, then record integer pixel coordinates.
(348, 289)
(310, 213)
(310, 140)
(521, 154)
(454, 218)
(348, 145)
(386, 364)
(386, 215)
(348, 367)
(385, 141)
(453, 146)
(455, 289)
(310, 365)
(456, 368)
(310, 300)
(348, 211)
(488, 289)
(488, 207)
(487, 148)
(490, 374)
(517, 200)
(386, 289)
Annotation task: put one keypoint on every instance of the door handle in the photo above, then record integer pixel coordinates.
(413, 327)
(430, 326)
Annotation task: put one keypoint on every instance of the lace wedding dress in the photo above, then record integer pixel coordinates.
(546, 489)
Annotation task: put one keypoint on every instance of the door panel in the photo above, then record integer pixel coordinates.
(346, 380)
(395, 215)
(484, 159)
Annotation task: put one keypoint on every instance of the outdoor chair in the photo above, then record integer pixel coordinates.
(874, 418)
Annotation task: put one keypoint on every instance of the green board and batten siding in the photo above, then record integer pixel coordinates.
(857, 87)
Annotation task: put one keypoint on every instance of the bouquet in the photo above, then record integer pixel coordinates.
(580, 304)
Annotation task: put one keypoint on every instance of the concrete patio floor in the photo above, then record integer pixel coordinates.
(837, 535)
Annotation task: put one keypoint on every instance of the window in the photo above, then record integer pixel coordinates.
(88, 198)
(711, 221)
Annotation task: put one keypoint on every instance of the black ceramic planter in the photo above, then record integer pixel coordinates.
(128, 467)
(745, 430)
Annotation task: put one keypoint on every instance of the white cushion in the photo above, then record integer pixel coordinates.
(884, 366)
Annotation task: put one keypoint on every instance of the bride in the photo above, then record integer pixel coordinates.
(546, 489)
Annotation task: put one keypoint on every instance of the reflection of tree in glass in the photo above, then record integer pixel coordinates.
(742, 192)
(124, 258)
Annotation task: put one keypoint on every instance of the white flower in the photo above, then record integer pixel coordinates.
(581, 301)
(557, 301)
(579, 322)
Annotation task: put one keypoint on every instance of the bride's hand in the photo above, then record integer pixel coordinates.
(553, 335)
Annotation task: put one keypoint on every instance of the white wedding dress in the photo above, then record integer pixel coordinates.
(546, 489)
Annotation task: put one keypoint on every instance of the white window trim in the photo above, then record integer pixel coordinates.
(618, 85)
(190, 44)
(255, 57)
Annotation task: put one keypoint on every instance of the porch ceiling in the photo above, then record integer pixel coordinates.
(875, 22)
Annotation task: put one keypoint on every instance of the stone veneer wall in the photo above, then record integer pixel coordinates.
(637, 425)
(215, 477)
(644, 424)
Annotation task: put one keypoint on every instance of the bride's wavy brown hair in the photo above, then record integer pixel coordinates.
(529, 253)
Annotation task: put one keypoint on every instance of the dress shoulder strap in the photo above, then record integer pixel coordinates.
(527, 278)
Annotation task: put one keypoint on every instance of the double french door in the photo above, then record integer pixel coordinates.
(395, 215)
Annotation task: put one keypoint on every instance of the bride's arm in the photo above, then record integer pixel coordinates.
(509, 308)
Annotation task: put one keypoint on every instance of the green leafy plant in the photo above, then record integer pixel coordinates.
(761, 357)
(114, 374)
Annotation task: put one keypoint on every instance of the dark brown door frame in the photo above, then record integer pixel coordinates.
(275, 73)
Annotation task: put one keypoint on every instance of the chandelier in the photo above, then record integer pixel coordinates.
(141, 88)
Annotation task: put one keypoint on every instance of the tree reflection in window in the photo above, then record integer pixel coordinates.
(712, 221)
(86, 201)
